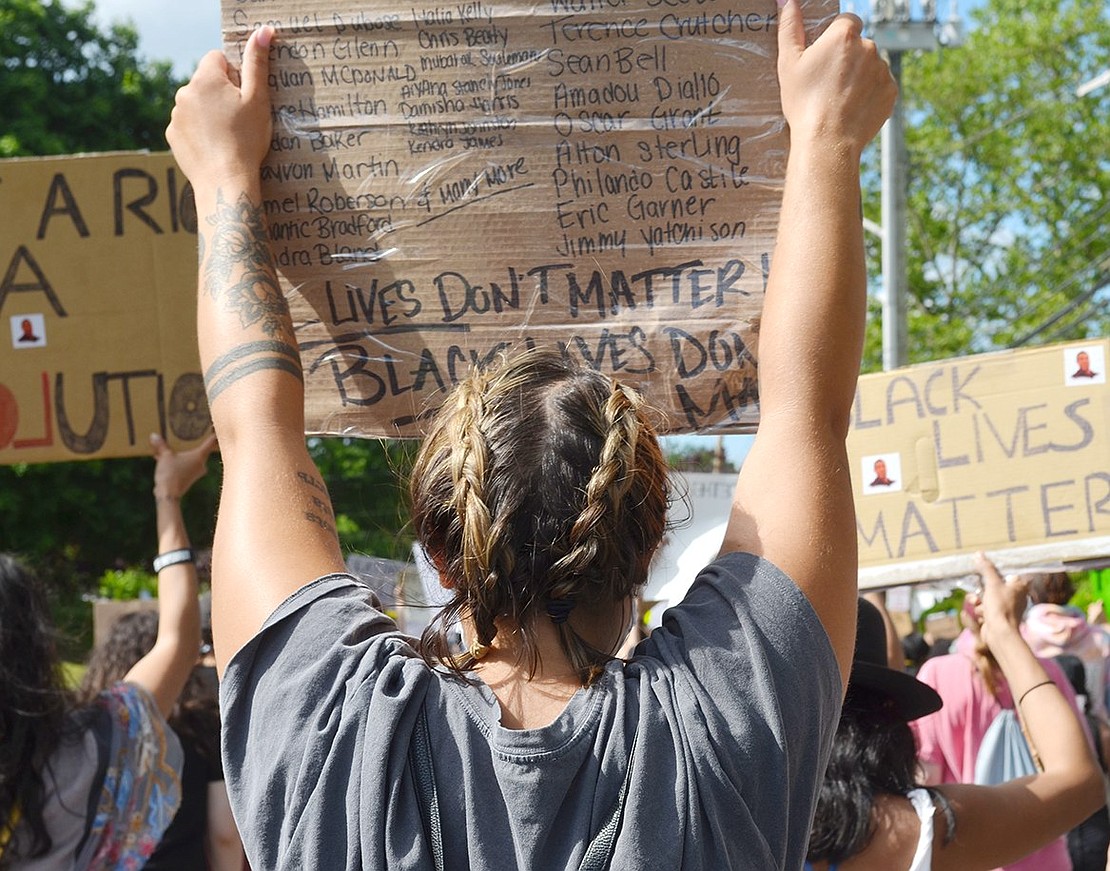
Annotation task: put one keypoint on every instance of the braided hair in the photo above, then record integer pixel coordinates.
(541, 488)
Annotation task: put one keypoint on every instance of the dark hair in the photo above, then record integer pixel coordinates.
(33, 703)
(873, 754)
(539, 488)
(195, 716)
(1072, 667)
(1050, 588)
(129, 640)
(915, 650)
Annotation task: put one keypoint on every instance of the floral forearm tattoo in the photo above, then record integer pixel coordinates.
(240, 268)
(239, 272)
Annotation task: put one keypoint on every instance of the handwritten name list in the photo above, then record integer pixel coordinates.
(449, 180)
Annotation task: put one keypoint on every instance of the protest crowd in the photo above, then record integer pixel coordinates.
(772, 721)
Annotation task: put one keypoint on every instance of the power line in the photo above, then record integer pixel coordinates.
(1070, 307)
(1064, 331)
(1096, 229)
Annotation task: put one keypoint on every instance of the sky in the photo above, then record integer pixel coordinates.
(180, 32)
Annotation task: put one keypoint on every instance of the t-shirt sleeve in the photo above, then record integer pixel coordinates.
(754, 676)
(294, 699)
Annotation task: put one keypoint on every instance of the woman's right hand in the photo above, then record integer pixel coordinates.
(1000, 824)
(221, 124)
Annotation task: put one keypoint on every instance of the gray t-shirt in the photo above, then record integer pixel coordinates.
(733, 703)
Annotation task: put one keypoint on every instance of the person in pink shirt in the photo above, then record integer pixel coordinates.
(974, 693)
(1053, 627)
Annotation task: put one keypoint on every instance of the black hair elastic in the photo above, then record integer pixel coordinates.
(559, 609)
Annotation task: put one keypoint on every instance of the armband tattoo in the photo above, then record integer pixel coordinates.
(235, 364)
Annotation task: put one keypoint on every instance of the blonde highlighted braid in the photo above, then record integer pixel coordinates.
(468, 468)
(608, 484)
(540, 486)
(593, 538)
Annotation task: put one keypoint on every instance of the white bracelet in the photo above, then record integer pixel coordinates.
(173, 558)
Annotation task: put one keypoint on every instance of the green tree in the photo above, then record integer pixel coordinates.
(71, 521)
(74, 520)
(694, 458)
(366, 483)
(68, 86)
(1009, 175)
(87, 516)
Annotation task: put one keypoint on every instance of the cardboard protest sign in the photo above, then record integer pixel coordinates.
(696, 530)
(448, 179)
(98, 300)
(1007, 453)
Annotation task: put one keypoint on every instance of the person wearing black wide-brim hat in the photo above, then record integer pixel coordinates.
(910, 697)
(871, 813)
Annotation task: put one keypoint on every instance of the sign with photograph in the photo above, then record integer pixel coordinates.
(1007, 453)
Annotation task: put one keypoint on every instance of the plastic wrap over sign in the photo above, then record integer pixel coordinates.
(451, 180)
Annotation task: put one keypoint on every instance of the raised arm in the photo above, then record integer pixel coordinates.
(164, 670)
(275, 530)
(793, 502)
(996, 825)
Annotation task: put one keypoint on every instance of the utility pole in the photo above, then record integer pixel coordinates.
(894, 175)
(895, 34)
(719, 455)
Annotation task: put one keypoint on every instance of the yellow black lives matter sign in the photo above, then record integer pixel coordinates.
(1006, 452)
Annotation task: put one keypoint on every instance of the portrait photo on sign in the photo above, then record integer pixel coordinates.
(1084, 365)
(881, 473)
(28, 331)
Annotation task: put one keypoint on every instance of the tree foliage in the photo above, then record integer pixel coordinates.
(1009, 175)
(697, 458)
(366, 483)
(72, 521)
(67, 86)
